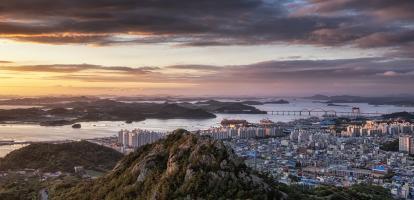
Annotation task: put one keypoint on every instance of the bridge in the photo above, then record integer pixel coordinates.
(319, 111)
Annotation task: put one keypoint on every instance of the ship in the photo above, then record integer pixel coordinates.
(234, 122)
(266, 122)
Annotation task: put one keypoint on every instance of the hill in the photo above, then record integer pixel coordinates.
(101, 110)
(182, 166)
(405, 100)
(355, 192)
(400, 115)
(61, 157)
(227, 107)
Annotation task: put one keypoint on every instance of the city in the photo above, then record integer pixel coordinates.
(206, 99)
(314, 151)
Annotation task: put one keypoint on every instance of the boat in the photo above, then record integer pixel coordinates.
(233, 122)
(266, 122)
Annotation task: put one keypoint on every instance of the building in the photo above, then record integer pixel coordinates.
(137, 137)
(406, 144)
(242, 132)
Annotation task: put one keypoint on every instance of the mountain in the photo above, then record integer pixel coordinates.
(61, 157)
(182, 166)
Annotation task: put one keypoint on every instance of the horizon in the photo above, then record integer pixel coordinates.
(213, 97)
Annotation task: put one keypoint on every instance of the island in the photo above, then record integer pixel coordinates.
(61, 113)
(226, 107)
(406, 116)
(281, 101)
(336, 105)
(403, 100)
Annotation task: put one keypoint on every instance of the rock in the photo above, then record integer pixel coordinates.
(77, 126)
(142, 175)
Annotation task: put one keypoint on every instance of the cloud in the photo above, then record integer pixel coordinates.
(390, 73)
(210, 22)
(195, 67)
(5, 62)
(262, 71)
(58, 68)
(387, 39)
(359, 75)
(383, 9)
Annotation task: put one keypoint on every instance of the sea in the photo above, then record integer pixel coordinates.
(89, 130)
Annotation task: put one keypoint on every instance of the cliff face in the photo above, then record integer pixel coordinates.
(183, 166)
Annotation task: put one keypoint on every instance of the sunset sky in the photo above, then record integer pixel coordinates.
(206, 47)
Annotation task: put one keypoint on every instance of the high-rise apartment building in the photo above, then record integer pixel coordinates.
(406, 144)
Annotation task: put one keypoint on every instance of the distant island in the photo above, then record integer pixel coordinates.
(336, 105)
(100, 110)
(391, 100)
(281, 101)
(400, 115)
(250, 102)
(40, 101)
(225, 107)
(71, 111)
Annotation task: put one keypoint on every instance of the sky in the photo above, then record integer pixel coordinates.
(206, 47)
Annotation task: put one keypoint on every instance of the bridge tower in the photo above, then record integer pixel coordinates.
(356, 112)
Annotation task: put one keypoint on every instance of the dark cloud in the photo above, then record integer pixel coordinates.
(104, 17)
(371, 23)
(384, 9)
(387, 39)
(362, 24)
